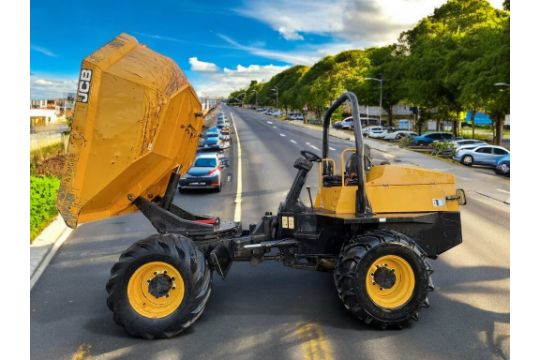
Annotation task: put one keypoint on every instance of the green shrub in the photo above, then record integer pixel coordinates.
(405, 141)
(43, 192)
(443, 148)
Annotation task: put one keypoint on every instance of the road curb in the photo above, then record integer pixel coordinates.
(45, 246)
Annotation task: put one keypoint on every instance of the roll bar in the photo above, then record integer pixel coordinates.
(362, 204)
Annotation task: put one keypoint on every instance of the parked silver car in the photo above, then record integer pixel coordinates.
(481, 155)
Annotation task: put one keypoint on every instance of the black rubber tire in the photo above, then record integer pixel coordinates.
(467, 164)
(499, 172)
(354, 261)
(178, 251)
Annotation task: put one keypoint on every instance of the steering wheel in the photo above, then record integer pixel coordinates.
(310, 156)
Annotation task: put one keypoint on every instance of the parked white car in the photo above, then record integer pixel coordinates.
(296, 116)
(366, 129)
(374, 131)
(378, 134)
(347, 123)
(396, 135)
(276, 113)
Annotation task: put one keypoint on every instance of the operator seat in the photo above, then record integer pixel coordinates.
(351, 170)
(351, 166)
(328, 177)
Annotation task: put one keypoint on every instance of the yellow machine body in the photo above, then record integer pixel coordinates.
(393, 189)
(136, 119)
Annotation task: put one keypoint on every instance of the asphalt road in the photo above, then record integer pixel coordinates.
(273, 312)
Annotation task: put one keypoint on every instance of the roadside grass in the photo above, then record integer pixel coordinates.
(43, 191)
(44, 153)
(481, 133)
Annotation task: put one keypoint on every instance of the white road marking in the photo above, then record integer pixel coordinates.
(504, 191)
(238, 198)
(314, 147)
(282, 135)
(228, 178)
(275, 127)
(331, 148)
(293, 141)
(269, 122)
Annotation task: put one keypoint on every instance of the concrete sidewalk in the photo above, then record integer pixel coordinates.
(45, 246)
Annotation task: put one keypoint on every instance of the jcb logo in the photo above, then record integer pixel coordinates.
(84, 85)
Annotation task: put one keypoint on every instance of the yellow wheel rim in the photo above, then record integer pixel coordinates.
(156, 289)
(390, 282)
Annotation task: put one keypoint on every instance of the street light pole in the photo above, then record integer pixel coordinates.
(243, 98)
(380, 96)
(256, 100)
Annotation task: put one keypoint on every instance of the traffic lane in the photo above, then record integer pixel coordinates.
(312, 136)
(473, 315)
(209, 202)
(267, 167)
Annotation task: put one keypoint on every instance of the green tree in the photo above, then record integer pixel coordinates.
(385, 63)
(435, 54)
(330, 77)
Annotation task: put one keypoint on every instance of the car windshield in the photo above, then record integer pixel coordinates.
(205, 162)
(212, 135)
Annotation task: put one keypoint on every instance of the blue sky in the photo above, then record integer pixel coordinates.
(220, 45)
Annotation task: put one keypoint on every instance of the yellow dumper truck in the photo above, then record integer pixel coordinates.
(135, 131)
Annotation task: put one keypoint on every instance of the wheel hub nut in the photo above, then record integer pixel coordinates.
(384, 277)
(160, 285)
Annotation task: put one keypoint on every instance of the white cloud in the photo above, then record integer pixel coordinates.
(50, 87)
(290, 34)
(202, 66)
(43, 82)
(372, 22)
(42, 50)
(307, 54)
(291, 57)
(291, 17)
(224, 82)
